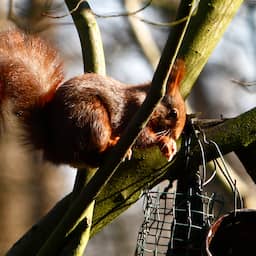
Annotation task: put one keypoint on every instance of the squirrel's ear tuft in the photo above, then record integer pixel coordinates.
(177, 74)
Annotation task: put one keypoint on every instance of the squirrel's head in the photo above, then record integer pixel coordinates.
(171, 113)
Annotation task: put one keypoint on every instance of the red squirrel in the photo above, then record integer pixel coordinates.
(78, 121)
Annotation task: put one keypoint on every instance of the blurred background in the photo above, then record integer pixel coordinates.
(29, 187)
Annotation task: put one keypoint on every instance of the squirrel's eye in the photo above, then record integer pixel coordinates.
(173, 114)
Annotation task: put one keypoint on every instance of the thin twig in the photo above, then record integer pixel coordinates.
(114, 15)
(124, 14)
(243, 83)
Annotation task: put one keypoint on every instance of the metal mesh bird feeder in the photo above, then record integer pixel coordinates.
(175, 222)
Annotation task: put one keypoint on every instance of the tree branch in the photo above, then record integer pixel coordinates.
(204, 32)
(89, 35)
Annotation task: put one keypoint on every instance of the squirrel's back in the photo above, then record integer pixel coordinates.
(30, 70)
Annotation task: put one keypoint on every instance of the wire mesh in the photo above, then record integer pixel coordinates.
(157, 233)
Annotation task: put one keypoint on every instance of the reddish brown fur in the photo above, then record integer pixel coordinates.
(30, 70)
(79, 121)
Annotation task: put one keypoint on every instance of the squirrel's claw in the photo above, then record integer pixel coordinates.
(128, 155)
(168, 147)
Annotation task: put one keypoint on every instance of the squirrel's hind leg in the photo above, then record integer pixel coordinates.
(100, 127)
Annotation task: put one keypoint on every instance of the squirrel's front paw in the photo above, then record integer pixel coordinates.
(168, 147)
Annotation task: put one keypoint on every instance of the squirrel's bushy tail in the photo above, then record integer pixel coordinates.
(30, 70)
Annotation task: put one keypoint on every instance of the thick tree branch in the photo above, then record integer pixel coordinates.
(205, 31)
